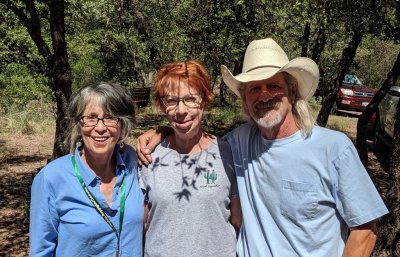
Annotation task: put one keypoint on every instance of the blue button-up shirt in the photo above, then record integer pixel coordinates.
(64, 222)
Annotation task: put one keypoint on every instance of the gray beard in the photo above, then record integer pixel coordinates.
(270, 123)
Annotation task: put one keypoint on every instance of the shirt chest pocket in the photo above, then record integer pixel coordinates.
(298, 201)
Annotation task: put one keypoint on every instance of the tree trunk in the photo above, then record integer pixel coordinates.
(343, 67)
(319, 45)
(305, 39)
(317, 49)
(222, 95)
(60, 74)
(362, 124)
(57, 66)
(388, 243)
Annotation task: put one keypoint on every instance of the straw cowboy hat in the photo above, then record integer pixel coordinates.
(264, 58)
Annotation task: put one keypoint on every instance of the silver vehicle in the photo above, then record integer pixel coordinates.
(385, 117)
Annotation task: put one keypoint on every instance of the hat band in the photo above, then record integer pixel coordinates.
(264, 66)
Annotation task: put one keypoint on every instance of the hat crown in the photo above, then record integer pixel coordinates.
(264, 53)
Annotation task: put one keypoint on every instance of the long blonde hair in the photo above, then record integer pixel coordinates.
(301, 109)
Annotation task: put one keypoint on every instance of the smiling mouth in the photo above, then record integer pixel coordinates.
(182, 122)
(270, 105)
(100, 139)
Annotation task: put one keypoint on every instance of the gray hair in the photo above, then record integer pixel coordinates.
(114, 101)
(301, 109)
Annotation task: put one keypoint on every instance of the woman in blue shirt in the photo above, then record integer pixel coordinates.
(78, 200)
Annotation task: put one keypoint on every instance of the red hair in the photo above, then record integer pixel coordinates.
(191, 72)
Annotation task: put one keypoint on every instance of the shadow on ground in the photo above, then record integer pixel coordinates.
(14, 206)
(378, 168)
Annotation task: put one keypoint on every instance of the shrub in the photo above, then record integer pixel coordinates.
(36, 117)
(19, 86)
(339, 124)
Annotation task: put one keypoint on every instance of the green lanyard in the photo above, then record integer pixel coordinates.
(98, 208)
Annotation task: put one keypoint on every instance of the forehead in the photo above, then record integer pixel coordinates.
(180, 89)
(276, 79)
(93, 106)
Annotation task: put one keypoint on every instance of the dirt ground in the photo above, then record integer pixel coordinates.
(25, 154)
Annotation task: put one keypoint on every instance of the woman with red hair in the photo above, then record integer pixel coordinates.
(191, 196)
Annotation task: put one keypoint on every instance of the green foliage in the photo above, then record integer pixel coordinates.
(118, 55)
(84, 59)
(86, 68)
(374, 60)
(315, 103)
(339, 124)
(19, 86)
(220, 120)
(127, 41)
(16, 46)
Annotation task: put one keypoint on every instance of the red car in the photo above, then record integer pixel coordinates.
(353, 95)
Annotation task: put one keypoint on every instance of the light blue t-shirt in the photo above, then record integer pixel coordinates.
(64, 222)
(299, 195)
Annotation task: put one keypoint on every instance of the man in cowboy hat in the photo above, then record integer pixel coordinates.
(303, 189)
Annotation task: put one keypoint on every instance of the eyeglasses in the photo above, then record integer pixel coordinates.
(191, 100)
(91, 121)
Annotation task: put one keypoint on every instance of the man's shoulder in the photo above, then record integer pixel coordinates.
(243, 130)
(328, 134)
(332, 139)
(241, 135)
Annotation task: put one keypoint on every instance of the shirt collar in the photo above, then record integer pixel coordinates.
(88, 176)
(118, 152)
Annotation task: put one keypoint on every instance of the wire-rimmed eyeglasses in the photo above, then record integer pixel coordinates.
(190, 100)
(91, 121)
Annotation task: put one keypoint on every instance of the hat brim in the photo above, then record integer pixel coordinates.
(304, 70)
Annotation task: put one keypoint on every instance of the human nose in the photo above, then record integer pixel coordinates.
(100, 123)
(265, 93)
(181, 107)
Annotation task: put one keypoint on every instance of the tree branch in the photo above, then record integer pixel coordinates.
(32, 23)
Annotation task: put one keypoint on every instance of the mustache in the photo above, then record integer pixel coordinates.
(269, 104)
